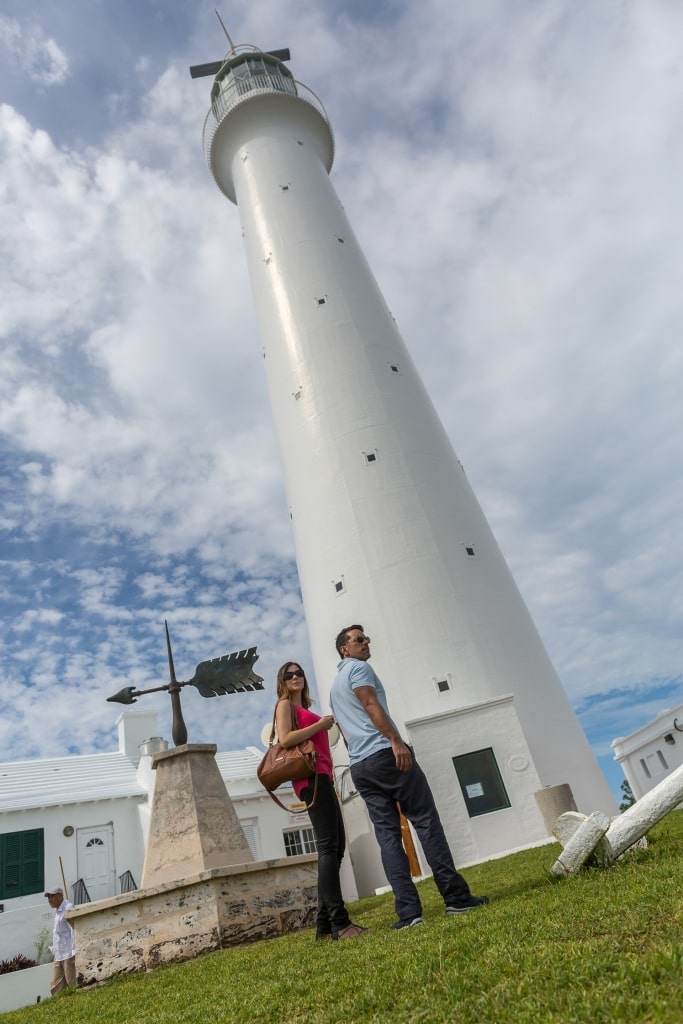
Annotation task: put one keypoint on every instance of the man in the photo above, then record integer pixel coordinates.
(62, 948)
(385, 773)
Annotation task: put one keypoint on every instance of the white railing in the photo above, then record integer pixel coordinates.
(239, 91)
(233, 90)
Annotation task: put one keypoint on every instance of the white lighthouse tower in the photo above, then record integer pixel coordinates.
(387, 529)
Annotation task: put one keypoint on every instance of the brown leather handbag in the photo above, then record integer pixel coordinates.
(288, 764)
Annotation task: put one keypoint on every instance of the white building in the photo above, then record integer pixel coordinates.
(651, 752)
(82, 821)
(387, 529)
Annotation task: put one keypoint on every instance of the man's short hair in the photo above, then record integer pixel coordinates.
(343, 637)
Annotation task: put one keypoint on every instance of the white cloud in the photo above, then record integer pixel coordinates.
(34, 54)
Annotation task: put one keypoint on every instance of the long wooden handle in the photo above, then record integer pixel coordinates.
(61, 868)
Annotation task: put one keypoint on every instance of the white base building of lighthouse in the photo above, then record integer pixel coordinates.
(388, 532)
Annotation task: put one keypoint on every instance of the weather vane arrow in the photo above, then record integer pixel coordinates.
(231, 673)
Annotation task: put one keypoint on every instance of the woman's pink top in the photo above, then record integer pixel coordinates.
(304, 718)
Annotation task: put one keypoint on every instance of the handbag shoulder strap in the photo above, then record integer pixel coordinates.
(273, 726)
(308, 806)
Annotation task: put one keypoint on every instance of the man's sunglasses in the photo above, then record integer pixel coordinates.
(359, 640)
(293, 675)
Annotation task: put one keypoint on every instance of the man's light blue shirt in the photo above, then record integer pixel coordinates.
(361, 735)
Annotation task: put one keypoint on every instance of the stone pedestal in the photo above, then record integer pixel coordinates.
(201, 888)
(194, 826)
(176, 921)
(553, 801)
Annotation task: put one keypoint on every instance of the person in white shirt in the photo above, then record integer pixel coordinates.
(63, 949)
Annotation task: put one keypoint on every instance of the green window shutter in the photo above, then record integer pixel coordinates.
(10, 865)
(33, 867)
(22, 863)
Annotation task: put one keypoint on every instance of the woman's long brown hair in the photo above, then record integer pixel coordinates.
(282, 686)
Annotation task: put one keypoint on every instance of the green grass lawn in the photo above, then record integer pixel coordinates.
(601, 947)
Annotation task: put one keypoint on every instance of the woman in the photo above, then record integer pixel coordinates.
(294, 701)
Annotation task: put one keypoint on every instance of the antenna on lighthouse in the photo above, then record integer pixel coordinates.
(227, 34)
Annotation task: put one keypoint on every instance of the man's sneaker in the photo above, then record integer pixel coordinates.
(407, 922)
(471, 903)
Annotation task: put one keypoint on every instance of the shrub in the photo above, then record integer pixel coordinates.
(17, 963)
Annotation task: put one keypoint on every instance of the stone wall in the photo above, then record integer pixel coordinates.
(177, 921)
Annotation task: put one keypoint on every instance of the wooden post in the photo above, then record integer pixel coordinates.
(409, 845)
(61, 868)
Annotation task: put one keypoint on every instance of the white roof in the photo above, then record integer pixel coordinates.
(51, 782)
(238, 764)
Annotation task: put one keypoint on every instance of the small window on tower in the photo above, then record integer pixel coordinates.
(321, 301)
(469, 551)
(297, 395)
(284, 188)
(299, 142)
(442, 685)
(341, 240)
(338, 585)
(370, 456)
(393, 367)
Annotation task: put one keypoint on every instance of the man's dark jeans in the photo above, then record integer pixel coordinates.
(382, 786)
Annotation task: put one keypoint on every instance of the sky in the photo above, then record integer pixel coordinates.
(513, 172)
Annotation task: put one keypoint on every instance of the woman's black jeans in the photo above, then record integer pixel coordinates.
(328, 825)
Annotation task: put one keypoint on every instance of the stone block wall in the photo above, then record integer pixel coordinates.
(177, 921)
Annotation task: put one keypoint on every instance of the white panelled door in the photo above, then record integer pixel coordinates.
(95, 851)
